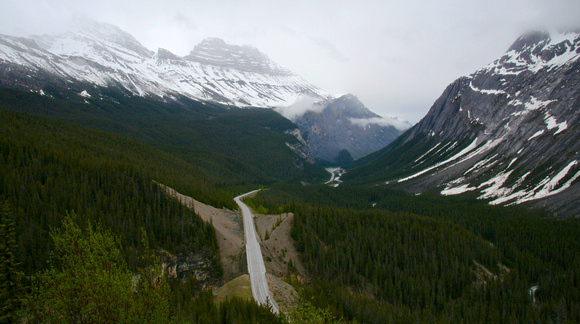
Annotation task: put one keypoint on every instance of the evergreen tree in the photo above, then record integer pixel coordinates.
(10, 277)
(89, 282)
(152, 291)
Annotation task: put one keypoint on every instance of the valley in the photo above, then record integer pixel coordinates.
(147, 166)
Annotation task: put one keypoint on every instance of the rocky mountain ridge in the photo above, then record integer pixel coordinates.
(215, 51)
(508, 132)
(104, 55)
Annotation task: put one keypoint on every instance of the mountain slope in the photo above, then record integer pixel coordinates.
(227, 144)
(102, 55)
(508, 132)
(50, 168)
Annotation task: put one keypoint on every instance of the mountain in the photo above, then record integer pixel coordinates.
(507, 133)
(103, 55)
(344, 125)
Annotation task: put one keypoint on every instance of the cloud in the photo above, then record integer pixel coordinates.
(301, 106)
(184, 21)
(330, 49)
(382, 121)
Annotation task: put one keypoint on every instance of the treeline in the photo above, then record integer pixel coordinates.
(385, 256)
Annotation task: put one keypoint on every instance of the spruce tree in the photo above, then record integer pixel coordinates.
(10, 277)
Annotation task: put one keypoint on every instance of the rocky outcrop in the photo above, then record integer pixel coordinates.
(216, 52)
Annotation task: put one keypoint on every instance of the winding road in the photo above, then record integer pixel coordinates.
(256, 267)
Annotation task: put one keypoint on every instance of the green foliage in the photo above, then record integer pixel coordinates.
(151, 292)
(88, 281)
(226, 144)
(379, 255)
(306, 313)
(49, 167)
(11, 289)
(409, 261)
(344, 158)
(202, 309)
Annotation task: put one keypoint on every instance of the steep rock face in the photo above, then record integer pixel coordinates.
(346, 124)
(508, 132)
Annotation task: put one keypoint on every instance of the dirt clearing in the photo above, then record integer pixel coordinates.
(229, 233)
(277, 249)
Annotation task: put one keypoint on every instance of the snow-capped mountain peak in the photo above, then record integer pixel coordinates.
(92, 34)
(536, 50)
(104, 55)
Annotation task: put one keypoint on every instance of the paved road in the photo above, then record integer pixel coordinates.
(256, 267)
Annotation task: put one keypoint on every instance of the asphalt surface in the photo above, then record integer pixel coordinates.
(256, 267)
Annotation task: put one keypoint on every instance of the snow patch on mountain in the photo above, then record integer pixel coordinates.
(552, 123)
(488, 91)
(472, 150)
(536, 134)
(463, 152)
(550, 186)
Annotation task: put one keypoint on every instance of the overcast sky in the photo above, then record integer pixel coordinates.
(396, 56)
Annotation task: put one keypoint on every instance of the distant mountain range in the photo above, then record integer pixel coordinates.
(103, 55)
(508, 133)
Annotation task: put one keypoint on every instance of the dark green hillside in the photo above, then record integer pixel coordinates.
(383, 256)
(232, 146)
(51, 171)
(49, 168)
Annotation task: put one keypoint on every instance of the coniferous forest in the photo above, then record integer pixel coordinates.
(69, 191)
(85, 225)
(428, 259)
